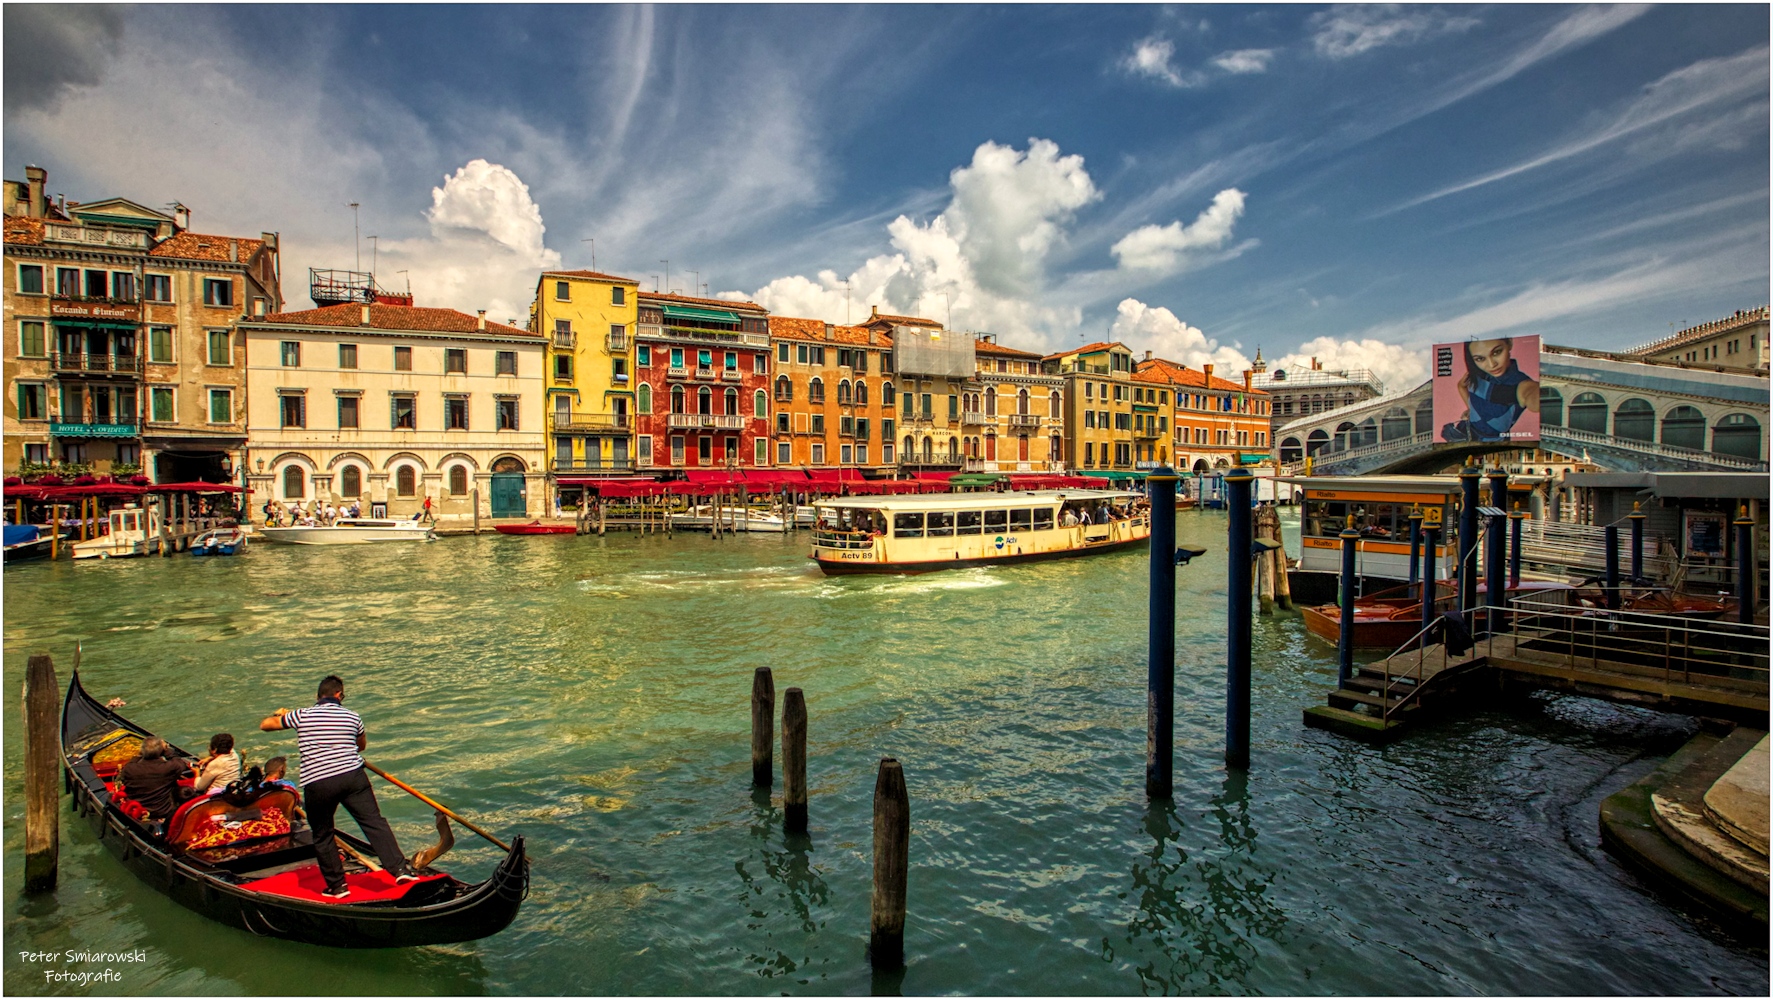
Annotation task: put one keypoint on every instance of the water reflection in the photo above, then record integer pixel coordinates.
(1200, 916)
(782, 892)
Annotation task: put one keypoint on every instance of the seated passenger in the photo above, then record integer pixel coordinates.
(153, 780)
(275, 770)
(220, 767)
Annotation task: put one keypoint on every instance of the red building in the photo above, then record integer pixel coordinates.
(701, 378)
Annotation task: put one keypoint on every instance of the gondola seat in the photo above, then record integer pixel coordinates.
(211, 821)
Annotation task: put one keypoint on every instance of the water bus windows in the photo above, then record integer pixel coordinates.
(1022, 519)
(1043, 518)
(908, 525)
(996, 520)
(968, 522)
(1385, 521)
(941, 524)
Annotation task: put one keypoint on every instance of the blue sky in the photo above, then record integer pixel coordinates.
(1348, 182)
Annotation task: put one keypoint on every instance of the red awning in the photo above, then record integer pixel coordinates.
(935, 477)
(622, 490)
(720, 476)
(775, 477)
(27, 491)
(95, 490)
(193, 488)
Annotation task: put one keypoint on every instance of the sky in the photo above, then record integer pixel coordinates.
(1352, 183)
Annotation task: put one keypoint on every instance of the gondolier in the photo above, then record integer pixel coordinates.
(330, 739)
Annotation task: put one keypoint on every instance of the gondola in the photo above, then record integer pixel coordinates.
(233, 858)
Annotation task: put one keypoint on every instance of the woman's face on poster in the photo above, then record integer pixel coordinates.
(1491, 356)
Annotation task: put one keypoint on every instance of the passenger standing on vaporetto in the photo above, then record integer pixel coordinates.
(330, 739)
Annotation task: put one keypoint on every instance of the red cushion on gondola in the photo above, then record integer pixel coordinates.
(307, 883)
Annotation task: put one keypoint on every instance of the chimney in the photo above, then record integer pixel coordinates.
(1246, 380)
(1209, 370)
(234, 251)
(269, 239)
(1148, 355)
(366, 314)
(181, 216)
(830, 332)
(35, 179)
(481, 324)
(1314, 364)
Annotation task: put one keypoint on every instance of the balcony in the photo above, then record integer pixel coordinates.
(731, 375)
(93, 429)
(1024, 420)
(974, 419)
(97, 364)
(590, 423)
(675, 372)
(133, 239)
(581, 466)
(706, 374)
(618, 343)
(565, 339)
(654, 331)
(1148, 433)
(706, 421)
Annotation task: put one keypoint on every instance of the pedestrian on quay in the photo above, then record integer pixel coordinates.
(427, 510)
(329, 741)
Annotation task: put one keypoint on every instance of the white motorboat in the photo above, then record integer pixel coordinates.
(701, 518)
(131, 531)
(352, 531)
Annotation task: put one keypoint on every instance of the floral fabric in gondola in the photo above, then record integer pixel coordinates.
(213, 832)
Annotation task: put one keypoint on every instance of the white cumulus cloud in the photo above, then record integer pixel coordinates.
(1156, 329)
(1350, 29)
(1244, 60)
(1399, 367)
(1151, 57)
(1163, 248)
(485, 247)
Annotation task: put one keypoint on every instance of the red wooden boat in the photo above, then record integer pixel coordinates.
(1390, 618)
(534, 528)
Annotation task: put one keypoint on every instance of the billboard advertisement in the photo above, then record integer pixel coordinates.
(1487, 390)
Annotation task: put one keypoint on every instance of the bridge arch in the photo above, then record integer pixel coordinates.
(1684, 427)
(1551, 407)
(1291, 450)
(1588, 412)
(1635, 420)
(1317, 441)
(1345, 433)
(1395, 423)
(1737, 434)
(1425, 415)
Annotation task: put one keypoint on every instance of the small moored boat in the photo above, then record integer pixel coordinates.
(736, 518)
(1390, 618)
(912, 534)
(534, 528)
(352, 531)
(130, 531)
(27, 541)
(233, 857)
(219, 542)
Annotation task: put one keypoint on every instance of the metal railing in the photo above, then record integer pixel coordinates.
(120, 364)
(1660, 641)
(574, 421)
(699, 420)
(581, 465)
(618, 342)
(1648, 448)
(826, 538)
(565, 338)
(1025, 420)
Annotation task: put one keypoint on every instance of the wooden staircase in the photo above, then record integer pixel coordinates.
(1380, 698)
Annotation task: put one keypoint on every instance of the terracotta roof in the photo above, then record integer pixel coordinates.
(196, 246)
(23, 229)
(1742, 318)
(386, 317)
(593, 275)
(876, 316)
(1000, 350)
(1100, 345)
(795, 328)
(1170, 373)
(662, 297)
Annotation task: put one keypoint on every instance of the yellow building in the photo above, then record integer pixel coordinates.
(589, 320)
(1098, 405)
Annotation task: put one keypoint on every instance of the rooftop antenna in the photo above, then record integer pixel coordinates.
(408, 282)
(356, 237)
(374, 246)
(948, 297)
(593, 252)
(667, 276)
(846, 302)
(655, 282)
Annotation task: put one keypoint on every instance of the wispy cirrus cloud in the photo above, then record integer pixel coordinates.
(1347, 30)
(1153, 58)
(1244, 60)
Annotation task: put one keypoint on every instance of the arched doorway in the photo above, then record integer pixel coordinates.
(1684, 427)
(1635, 420)
(1394, 424)
(1588, 412)
(1737, 434)
(507, 496)
(1551, 407)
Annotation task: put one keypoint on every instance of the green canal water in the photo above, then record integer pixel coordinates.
(592, 694)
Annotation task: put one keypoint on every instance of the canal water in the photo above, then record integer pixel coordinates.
(592, 694)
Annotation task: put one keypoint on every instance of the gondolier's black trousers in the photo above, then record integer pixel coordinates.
(322, 800)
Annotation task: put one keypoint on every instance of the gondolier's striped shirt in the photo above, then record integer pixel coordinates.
(326, 740)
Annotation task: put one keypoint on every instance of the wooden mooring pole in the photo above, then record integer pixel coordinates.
(892, 862)
(1160, 656)
(763, 721)
(476, 500)
(1240, 542)
(793, 761)
(42, 799)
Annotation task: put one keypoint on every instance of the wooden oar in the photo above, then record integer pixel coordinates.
(433, 803)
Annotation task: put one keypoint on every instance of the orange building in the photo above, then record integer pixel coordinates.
(1195, 420)
(832, 395)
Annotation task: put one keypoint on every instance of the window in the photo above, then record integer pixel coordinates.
(732, 402)
(160, 404)
(505, 363)
(32, 403)
(97, 285)
(704, 401)
(294, 409)
(861, 393)
(403, 416)
(784, 452)
(928, 410)
(221, 406)
(563, 291)
(348, 412)
(846, 454)
(455, 413)
(157, 287)
(505, 412)
(646, 449)
(30, 279)
(123, 285)
(294, 483)
(760, 363)
(816, 355)
(618, 296)
(643, 398)
(704, 359)
(458, 480)
(677, 449)
(784, 389)
(818, 454)
(350, 481)
(406, 481)
(563, 368)
(403, 359)
(677, 399)
(30, 340)
(67, 282)
(292, 351)
(800, 353)
(704, 450)
(347, 355)
(760, 404)
(886, 448)
(782, 353)
(732, 361)
(218, 291)
(643, 356)
(953, 407)
(677, 357)
(618, 370)
(886, 394)
(843, 393)
(455, 361)
(815, 391)
(861, 454)
(862, 429)
(760, 452)
(818, 421)
(221, 350)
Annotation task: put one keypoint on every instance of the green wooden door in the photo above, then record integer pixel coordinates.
(507, 495)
